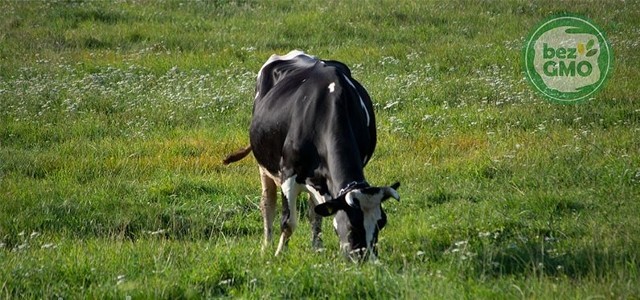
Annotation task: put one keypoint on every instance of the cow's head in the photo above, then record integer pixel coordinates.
(359, 217)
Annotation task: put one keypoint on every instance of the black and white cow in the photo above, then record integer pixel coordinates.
(313, 130)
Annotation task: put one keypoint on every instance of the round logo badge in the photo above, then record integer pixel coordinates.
(567, 59)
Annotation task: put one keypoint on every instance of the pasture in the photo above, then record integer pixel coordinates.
(115, 116)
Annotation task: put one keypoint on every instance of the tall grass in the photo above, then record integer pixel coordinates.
(114, 118)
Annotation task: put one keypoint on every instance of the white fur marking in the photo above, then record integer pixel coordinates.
(370, 206)
(370, 222)
(291, 189)
(289, 56)
(274, 177)
(364, 107)
(317, 197)
(332, 87)
(349, 199)
(344, 247)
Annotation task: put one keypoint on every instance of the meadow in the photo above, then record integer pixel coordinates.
(115, 116)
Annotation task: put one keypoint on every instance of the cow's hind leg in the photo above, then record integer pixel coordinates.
(290, 192)
(268, 205)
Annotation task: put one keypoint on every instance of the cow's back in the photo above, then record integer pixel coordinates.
(304, 109)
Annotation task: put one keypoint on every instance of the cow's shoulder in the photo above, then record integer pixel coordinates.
(279, 67)
(340, 67)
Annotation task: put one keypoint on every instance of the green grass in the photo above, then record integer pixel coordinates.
(114, 118)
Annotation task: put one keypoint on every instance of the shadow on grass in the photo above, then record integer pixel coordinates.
(442, 197)
(133, 221)
(535, 258)
(528, 247)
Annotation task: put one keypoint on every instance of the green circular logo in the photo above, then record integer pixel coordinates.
(567, 59)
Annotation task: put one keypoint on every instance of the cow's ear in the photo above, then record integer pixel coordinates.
(391, 191)
(330, 207)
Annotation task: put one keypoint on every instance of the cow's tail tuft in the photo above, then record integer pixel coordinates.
(236, 156)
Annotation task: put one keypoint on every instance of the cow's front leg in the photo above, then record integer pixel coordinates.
(290, 191)
(268, 205)
(315, 219)
(316, 226)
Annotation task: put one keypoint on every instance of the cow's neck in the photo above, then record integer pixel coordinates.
(345, 166)
(343, 158)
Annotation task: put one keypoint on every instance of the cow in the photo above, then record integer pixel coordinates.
(313, 130)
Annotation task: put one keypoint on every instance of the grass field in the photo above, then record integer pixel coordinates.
(114, 117)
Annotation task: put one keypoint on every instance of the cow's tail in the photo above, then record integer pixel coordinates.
(236, 156)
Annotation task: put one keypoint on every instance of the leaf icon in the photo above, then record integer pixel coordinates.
(592, 52)
(581, 48)
(590, 45)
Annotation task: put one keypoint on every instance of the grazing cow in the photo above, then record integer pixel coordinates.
(313, 130)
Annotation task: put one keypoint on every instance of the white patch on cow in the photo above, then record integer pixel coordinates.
(317, 197)
(349, 199)
(291, 189)
(344, 246)
(371, 219)
(332, 87)
(289, 56)
(274, 177)
(364, 107)
(371, 211)
(366, 159)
